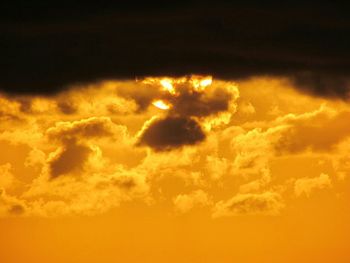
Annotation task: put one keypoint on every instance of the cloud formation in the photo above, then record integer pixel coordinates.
(185, 202)
(171, 132)
(267, 203)
(209, 144)
(186, 101)
(308, 185)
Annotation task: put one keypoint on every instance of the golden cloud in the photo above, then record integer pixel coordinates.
(267, 203)
(180, 142)
(308, 185)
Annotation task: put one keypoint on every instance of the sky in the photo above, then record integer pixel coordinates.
(189, 132)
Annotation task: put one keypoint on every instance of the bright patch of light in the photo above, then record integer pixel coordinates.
(199, 83)
(160, 104)
(168, 86)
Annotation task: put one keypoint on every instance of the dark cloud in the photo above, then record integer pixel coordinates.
(66, 107)
(172, 132)
(73, 153)
(326, 84)
(16, 209)
(45, 47)
(71, 158)
(187, 102)
(142, 94)
(200, 104)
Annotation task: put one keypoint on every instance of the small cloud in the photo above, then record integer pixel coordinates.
(6, 177)
(69, 158)
(94, 127)
(267, 203)
(308, 185)
(246, 108)
(10, 205)
(185, 202)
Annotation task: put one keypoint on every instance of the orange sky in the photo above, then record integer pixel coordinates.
(175, 170)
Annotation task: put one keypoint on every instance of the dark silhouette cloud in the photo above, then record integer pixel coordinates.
(187, 102)
(74, 153)
(172, 132)
(46, 47)
(200, 104)
(70, 159)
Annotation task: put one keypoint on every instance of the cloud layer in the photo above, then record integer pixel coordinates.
(46, 50)
(189, 145)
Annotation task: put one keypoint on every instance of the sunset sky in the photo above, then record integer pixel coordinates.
(188, 133)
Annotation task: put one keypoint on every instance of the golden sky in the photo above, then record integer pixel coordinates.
(183, 170)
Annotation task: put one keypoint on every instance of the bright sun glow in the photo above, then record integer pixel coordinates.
(199, 83)
(160, 104)
(168, 86)
(206, 82)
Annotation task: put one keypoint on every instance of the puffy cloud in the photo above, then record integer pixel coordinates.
(254, 149)
(69, 158)
(171, 132)
(185, 202)
(35, 157)
(319, 132)
(247, 108)
(191, 100)
(202, 102)
(258, 184)
(217, 167)
(76, 152)
(6, 177)
(10, 205)
(267, 203)
(96, 190)
(307, 185)
(94, 127)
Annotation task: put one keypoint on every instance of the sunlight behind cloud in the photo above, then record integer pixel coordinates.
(92, 149)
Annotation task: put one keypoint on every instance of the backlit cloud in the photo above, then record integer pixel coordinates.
(181, 143)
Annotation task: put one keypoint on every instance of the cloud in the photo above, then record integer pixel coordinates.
(6, 177)
(228, 40)
(185, 202)
(200, 103)
(257, 185)
(94, 127)
(215, 135)
(97, 188)
(69, 158)
(267, 203)
(9, 205)
(321, 131)
(190, 101)
(74, 151)
(192, 95)
(254, 148)
(216, 167)
(308, 185)
(171, 132)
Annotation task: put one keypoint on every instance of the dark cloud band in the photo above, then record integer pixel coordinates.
(50, 48)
